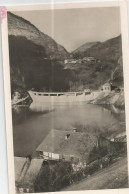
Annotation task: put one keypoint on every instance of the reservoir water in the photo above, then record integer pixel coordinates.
(32, 124)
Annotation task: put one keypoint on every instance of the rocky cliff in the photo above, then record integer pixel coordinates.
(113, 98)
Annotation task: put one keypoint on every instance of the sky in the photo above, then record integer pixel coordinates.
(73, 27)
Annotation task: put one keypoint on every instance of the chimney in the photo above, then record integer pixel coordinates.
(67, 136)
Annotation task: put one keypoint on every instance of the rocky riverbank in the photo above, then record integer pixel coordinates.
(113, 98)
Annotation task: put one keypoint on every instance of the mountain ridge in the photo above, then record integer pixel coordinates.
(18, 26)
(37, 61)
(84, 47)
(110, 49)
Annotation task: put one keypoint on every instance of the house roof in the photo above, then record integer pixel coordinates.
(55, 142)
(107, 84)
(18, 163)
(31, 173)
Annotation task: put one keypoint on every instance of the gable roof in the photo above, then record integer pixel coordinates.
(55, 142)
(18, 163)
(31, 173)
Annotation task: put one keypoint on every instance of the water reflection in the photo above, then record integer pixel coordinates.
(39, 108)
(38, 119)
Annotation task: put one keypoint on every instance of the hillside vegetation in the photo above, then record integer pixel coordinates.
(107, 56)
(29, 69)
(113, 177)
(109, 50)
(80, 52)
(37, 61)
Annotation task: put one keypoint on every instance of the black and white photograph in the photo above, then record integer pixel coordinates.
(67, 99)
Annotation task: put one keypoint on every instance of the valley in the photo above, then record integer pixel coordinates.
(37, 61)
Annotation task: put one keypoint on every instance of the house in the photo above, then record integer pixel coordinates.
(70, 61)
(16, 96)
(106, 87)
(26, 172)
(87, 91)
(88, 59)
(119, 137)
(65, 145)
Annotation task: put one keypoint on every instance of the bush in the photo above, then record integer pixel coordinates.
(54, 177)
(91, 168)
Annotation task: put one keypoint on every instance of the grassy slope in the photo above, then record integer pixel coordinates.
(114, 176)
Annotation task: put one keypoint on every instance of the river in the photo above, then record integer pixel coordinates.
(32, 124)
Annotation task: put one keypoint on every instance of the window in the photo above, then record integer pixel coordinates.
(53, 94)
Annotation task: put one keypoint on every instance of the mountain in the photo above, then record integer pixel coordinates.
(36, 61)
(34, 58)
(82, 49)
(17, 26)
(29, 67)
(110, 50)
(108, 59)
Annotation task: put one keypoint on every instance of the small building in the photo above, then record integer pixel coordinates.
(26, 172)
(106, 87)
(65, 145)
(65, 61)
(71, 61)
(88, 59)
(87, 91)
(120, 137)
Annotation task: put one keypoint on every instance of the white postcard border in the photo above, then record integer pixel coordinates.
(7, 89)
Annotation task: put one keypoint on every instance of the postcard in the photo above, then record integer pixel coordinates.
(66, 74)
